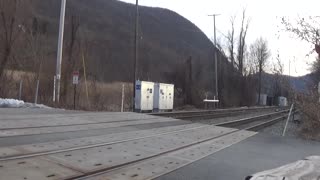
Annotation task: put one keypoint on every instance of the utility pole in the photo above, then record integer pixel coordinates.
(215, 55)
(289, 68)
(136, 53)
(60, 49)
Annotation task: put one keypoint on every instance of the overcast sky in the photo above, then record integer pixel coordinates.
(265, 22)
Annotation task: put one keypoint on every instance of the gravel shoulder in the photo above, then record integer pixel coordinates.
(293, 128)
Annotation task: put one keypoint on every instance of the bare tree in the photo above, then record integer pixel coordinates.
(9, 29)
(242, 41)
(307, 29)
(36, 37)
(70, 63)
(278, 70)
(259, 53)
(231, 40)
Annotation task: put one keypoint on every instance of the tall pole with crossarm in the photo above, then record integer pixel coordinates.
(60, 49)
(215, 56)
(136, 53)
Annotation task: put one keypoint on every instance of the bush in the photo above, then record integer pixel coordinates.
(309, 105)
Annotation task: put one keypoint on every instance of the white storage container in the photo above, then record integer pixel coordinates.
(144, 96)
(163, 96)
(283, 101)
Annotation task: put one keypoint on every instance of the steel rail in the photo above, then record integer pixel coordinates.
(248, 120)
(265, 124)
(173, 114)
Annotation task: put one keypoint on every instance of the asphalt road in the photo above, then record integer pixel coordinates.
(258, 153)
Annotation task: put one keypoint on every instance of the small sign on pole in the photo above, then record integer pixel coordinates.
(75, 82)
(75, 78)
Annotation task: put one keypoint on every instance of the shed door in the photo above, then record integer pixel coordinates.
(149, 100)
(170, 95)
(162, 96)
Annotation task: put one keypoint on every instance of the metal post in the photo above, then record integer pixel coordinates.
(60, 48)
(285, 127)
(37, 92)
(122, 99)
(319, 91)
(20, 89)
(214, 24)
(74, 97)
(289, 67)
(54, 89)
(85, 79)
(136, 53)
(215, 56)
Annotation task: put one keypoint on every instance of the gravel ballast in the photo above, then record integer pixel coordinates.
(293, 128)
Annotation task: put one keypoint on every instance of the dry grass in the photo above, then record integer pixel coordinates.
(309, 105)
(102, 96)
(11, 82)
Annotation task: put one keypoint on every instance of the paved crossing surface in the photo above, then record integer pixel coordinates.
(57, 144)
(50, 144)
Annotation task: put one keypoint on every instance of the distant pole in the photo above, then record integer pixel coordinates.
(215, 55)
(85, 79)
(54, 89)
(37, 92)
(286, 125)
(136, 53)
(60, 48)
(20, 89)
(74, 96)
(289, 68)
(319, 91)
(122, 99)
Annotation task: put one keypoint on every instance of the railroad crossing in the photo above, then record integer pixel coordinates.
(58, 144)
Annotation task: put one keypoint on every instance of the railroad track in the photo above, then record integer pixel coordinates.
(241, 124)
(252, 123)
(53, 129)
(262, 120)
(244, 122)
(35, 127)
(210, 114)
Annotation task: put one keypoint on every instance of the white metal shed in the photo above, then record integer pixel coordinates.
(144, 96)
(163, 96)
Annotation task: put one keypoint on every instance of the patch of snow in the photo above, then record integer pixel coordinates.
(307, 168)
(10, 103)
(13, 103)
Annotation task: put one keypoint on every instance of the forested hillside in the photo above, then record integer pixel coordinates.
(167, 40)
(101, 32)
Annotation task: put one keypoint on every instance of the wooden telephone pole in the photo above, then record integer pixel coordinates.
(136, 53)
(215, 56)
